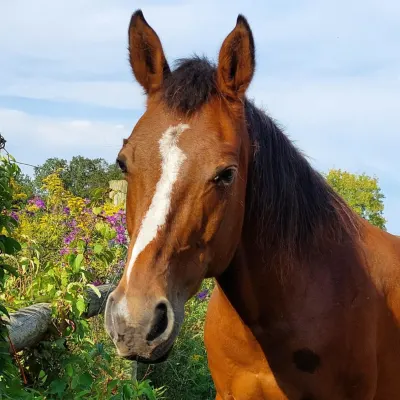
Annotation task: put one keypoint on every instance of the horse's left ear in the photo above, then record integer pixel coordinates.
(236, 63)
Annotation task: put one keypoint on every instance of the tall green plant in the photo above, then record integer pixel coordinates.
(10, 383)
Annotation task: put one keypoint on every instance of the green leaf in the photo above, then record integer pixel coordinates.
(80, 305)
(77, 263)
(69, 370)
(86, 379)
(96, 210)
(24, 261)
(71, 260)
(4, 310)
(81, 394)
(68, 297)
(58, 387)
(149, 393)
(94, 288)
(10, 269)
(42, 376)
(111, 385)
(127, 390)
(10, 245)
(74, 382)
(98, 248)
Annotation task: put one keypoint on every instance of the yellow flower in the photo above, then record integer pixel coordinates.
(110, 209)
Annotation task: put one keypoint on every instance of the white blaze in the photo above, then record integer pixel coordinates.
(172, 158)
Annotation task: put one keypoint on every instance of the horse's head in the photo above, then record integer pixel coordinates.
(186, 167)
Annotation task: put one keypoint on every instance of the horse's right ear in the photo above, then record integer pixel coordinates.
(146, 54)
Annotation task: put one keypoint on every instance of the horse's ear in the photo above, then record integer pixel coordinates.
(236, 63)
(146, 54)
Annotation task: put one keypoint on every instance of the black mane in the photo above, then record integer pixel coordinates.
(291, 204)
(190, 85)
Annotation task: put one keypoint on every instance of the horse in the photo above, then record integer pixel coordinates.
(306, 302)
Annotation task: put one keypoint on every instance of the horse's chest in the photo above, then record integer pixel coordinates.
(304, 360)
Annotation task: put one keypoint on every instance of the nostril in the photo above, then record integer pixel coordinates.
(160, 322)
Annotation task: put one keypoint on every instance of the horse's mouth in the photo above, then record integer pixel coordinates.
(145, 360)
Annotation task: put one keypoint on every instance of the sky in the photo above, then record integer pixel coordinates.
(327, 71)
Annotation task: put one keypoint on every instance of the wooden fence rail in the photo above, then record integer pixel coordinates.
(29, 325)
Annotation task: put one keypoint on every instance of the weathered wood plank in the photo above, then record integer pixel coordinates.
(28, 325)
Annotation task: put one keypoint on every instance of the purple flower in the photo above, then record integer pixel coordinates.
(38, 202)
(14, 215)
(112, 220)
(72, 224)
(118, 222)
(202, 295)
(70, 237)
(120, 265)
(64, 251)
(96, 283)
(66, 210)
(121, 239)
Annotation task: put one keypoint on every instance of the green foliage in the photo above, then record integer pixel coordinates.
(50, 166)
(68, 245)
(362, 193)
(9, 247)
(83, 177)
(24, 189)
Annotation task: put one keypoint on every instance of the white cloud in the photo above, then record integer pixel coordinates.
(32, 139)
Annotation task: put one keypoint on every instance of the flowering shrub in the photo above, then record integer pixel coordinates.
(9, 247)
(67, 244)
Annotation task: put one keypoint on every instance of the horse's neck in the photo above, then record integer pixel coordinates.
(267, 294)
(253, 284)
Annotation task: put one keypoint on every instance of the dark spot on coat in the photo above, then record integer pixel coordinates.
(306, 360)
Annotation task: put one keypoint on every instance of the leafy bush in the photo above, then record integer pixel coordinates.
(67, 244)
(9, 377)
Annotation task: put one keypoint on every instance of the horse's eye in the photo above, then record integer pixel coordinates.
(121, 164)
(226, 176)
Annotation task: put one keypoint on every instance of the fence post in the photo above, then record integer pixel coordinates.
(118, 192)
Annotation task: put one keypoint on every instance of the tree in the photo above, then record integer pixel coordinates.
(24, 188)
(362, 193)
(50, 166)
(86, 175)
(82, 176)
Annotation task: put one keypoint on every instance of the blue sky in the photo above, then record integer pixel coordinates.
(327, 71)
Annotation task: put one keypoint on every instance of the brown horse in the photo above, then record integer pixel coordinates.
(307, 301)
